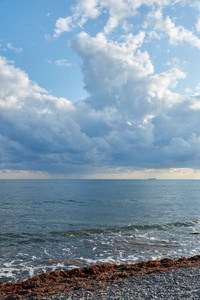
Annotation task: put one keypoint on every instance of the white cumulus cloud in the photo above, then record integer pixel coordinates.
(62, 63)
(133, 116)
(11, 47)
(177, 34)
(118, 11)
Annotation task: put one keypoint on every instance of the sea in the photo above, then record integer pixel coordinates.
(48, 225)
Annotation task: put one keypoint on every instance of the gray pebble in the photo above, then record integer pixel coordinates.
(178, 284)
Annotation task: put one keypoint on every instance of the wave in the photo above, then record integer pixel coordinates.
(121, 229)
(54, 236)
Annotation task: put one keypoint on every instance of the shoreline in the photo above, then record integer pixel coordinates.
(89, 278)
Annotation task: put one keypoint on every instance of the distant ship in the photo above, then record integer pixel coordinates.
(152, 178)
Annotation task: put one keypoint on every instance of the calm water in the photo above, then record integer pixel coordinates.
(61, 224)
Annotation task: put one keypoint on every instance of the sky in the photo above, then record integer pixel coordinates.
(100, 89)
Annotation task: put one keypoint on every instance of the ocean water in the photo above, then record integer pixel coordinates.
(50, 225)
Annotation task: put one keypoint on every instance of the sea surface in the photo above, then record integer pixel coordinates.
(50, 225)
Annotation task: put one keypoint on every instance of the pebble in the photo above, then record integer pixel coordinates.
(176, 284)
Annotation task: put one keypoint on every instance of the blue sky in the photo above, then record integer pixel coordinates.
(99, 89)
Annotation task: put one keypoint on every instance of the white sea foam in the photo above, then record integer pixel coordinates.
(67, 236)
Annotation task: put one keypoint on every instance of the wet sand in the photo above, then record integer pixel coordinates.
(89, 278)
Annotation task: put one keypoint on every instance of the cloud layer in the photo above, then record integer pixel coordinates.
(132, 118)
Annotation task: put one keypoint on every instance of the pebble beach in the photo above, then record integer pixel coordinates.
(159, 279)
(176, 284)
